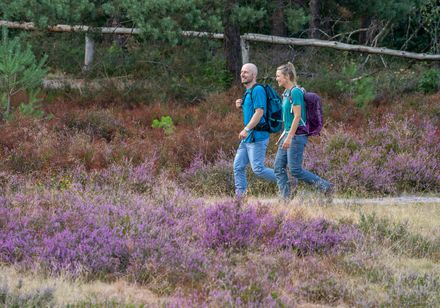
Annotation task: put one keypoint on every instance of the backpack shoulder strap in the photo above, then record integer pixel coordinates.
(252, 90)
(291, 101)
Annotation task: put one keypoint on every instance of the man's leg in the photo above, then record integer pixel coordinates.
(240, 162)
(257, 154)
(280, 169)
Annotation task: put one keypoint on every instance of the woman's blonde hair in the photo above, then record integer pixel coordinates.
(288, 70)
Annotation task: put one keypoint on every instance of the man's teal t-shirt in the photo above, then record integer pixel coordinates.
(249, 105)
(297, 100)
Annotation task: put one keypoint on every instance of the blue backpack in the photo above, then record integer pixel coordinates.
(274, 116)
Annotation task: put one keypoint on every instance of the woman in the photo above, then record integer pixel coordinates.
(294, 138)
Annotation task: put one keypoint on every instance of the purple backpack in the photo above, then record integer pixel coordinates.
(314, 122)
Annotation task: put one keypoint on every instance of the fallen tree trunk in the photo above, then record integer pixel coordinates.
(246, 37)
(341, 46)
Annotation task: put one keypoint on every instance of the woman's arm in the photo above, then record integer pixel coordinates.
(295, 124)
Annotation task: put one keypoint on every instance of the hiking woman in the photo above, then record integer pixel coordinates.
(294, 138)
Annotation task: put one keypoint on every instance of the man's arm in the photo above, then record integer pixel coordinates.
(252, 123)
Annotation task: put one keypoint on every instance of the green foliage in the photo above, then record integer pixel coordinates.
(430, 81)
(361, 89)
(19, 71)
(296, 19)
(430, 21)
(48, 12)
(32, 108)
(162, 20)
(166, 123)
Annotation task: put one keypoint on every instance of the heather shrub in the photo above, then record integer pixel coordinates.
(29, 145)
(97, 124)
(323, 289)
(100, 227)
(204, 179)
(229, 225)
(391, 155)
(217, 178)
(414, 290)
(315, 236)
(125, 221)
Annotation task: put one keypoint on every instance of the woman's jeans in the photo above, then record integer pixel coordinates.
(292, 159)
(255, 154)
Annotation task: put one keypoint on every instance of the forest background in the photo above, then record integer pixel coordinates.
(152, 124)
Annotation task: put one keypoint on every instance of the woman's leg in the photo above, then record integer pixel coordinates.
(295, 160)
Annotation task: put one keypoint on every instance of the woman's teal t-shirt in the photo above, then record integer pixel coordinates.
(297, 100)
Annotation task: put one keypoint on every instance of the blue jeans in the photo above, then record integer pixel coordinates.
(255, 154)
(292, 158)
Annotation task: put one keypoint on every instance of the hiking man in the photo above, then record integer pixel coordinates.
(253, 145)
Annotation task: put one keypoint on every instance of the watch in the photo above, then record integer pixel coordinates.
(247, 130)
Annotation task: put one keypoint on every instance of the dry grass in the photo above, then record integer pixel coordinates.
(70, 292)
(422, 218)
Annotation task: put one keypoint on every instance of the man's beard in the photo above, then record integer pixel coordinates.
(246, 82)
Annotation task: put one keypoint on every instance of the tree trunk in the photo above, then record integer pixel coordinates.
(363, 37)
(8, 104)
(89, 53)
(340, 46)
(314, 19)
(278, 26)
(232, 41)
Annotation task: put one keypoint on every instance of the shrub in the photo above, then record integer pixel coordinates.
(228, 225)
(99, 124)
(414, 290)
(389, 155)
(314, 236)
(361, 89)
(19, 71)
(165, 122)
(430, 81)
(205, 179)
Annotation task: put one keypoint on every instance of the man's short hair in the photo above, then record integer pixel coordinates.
(253, 68)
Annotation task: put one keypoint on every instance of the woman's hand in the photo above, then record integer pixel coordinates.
(287, 142)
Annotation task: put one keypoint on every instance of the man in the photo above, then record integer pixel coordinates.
(253, 145)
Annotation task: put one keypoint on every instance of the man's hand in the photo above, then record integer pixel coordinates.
(243, 134)
(238, 103)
